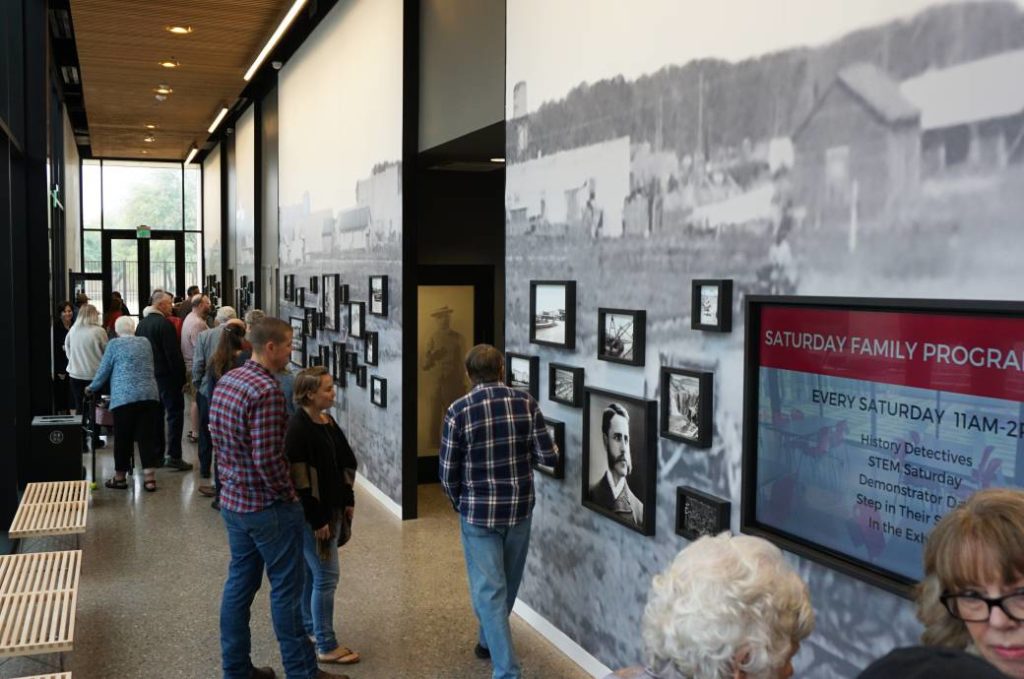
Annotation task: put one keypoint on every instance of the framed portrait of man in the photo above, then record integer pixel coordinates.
(620, 458)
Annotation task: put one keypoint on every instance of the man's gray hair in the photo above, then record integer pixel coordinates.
(726, 603)
(253, 316)
(197, 299)
(225, 314)
(158, 295)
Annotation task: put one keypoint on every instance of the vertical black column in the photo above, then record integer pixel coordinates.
(257, 208)
(410, 248)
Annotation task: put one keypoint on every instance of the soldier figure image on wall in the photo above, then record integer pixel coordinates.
(443, 364)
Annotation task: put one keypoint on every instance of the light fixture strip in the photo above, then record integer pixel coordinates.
(281, 28)
(216, 121)
(191, 154)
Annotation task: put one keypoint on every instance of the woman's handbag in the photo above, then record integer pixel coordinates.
(104, 416)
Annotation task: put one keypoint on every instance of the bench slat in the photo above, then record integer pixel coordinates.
(38, 598)
(52, 508)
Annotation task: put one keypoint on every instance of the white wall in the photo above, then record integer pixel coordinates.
(72, 202)
(211, 215)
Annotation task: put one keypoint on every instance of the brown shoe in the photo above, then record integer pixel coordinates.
(262, 673)
(207, 491)
(342, 655)
(320, 674)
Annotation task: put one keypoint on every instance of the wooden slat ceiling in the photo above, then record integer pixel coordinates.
(120, 43)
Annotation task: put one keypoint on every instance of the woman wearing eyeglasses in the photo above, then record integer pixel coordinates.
(972, 595)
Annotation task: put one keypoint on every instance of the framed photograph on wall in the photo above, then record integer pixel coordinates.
(339, 373)
(699, 514)
(370, 349)
(379, 391)
(356, 319)
(289, 287)
(343, 293)
(565, 384)
(298, 341)
(314, 284)
(361, 376)
(556, 430)
(379, 295)
(553, 313)
(351, 361)
(711, 305)
(329, 302)
(621, 336)
(300, 297)
(620, 441)
(523, 372)
(687, 402)
(325, 356)
(312, 360)
(312, 321)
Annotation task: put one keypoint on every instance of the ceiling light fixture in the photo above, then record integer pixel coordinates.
(191, 154)
(216, 121)
(170, 63)
(497, 160)
(178, 30)
(281, 28)
(150, 126)
(163, 89)
(149, 139)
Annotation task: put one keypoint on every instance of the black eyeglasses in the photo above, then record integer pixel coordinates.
(976, 608)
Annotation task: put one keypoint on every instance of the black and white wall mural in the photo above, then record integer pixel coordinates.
(870, 149)
(341, 210)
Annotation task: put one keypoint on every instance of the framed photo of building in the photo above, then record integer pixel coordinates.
(621, 336)
(289, 287)
(565, 384)
(370, 348)
(711, 305)
(300, 297)
(314, 284)
(329, 302)
(298, 341)
(339, 373)
(356, 319)
(699, 514)
(361, 376)
(620, 443)
(687, 402)
(556, 430)
(378, 391)
(523, 372)
(379, 295)
(553, 313)
(343, 293)
(312, 321)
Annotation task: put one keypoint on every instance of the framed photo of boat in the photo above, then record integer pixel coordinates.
(553, 313)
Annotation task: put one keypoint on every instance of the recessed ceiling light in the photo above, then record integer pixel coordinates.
(170, 63)
(497, 160)
(216, 121)
(193, 150)
(160, 97)
(150, 126)
(149, 139)
(145, 151)
(163, 89)
(178, 30)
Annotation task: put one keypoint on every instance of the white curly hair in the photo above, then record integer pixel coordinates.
(724, 604)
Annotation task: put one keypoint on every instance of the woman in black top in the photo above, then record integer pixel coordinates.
(61, 383)
(323, 468)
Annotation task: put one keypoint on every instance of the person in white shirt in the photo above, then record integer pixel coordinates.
(195, 323)
(84, 347)
(612, 491)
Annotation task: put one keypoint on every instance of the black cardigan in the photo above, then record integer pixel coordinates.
(323, 467)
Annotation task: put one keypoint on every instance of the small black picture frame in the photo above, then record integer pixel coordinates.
(379, 296)
(289, 287)
(338, 372)
(351, 361)
(687, 404)
(314, 284)
(711, 305)
(300, 297)
(523, 372)
(622, 336)
(312, 322)
(699, 514)
(298, 341)
(553, 313)
(639, 468)
(371, 349)
(361, 376)
(312, 360)
(329, 302)
(325, 356)
(357, 319)
(565, 384)
(557, 430)
(378, 391)
(343, 293)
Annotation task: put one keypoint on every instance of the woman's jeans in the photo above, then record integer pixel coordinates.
(318, 595)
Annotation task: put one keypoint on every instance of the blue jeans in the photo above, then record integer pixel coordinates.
(272, 537)
(318, 595)
(173, 402)
(495, 558)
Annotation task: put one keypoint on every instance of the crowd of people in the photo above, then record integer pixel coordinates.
(727, 607)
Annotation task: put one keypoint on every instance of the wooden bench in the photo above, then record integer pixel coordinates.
(38, 597)
(52, 508)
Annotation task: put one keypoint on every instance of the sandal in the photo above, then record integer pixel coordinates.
(339, 656)
(116, 483)
(149, 485)
(193, 437)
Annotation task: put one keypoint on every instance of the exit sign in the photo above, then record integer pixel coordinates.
(142, 231)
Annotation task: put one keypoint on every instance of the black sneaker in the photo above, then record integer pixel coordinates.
(177, 463)
(216, 504)
(482, 652)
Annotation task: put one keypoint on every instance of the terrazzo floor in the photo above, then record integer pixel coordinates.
(154, 566)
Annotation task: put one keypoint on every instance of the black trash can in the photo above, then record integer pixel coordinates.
(56, 450)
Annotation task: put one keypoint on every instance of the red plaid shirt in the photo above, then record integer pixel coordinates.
(248, 420)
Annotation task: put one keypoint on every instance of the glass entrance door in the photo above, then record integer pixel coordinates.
(136, 267)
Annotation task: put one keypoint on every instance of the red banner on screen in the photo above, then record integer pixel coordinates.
(967, 354)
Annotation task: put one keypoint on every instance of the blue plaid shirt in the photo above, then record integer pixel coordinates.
(491, 438)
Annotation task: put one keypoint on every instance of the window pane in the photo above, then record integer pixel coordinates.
(124, 272)
(161, 267)
(91, 194)
(142, 193)
(193, 199)
(194, 260)
(92, 252)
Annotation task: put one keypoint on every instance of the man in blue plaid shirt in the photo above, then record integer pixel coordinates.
(491, 439)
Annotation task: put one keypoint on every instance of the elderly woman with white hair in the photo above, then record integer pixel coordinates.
(127, 366)
(726, 608)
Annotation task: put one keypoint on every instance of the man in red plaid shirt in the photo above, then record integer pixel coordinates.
(260, 509)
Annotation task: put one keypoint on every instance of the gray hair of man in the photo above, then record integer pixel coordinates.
(254, 316)
(726, 603)
(124, 326)
(196, 299)
(159, 295)
(225, 314)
